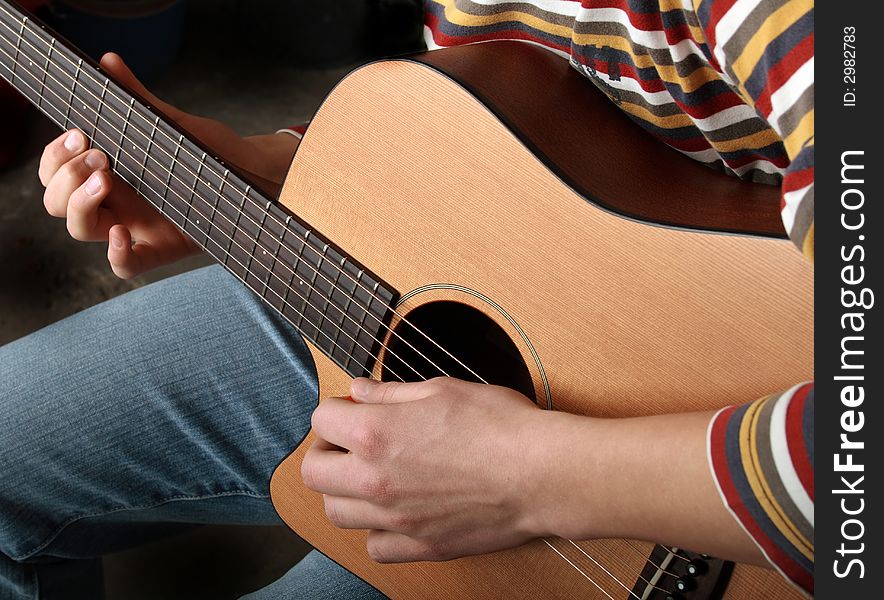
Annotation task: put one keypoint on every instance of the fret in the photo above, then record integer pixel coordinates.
(67, 116)
(196, 179)
(313, 287)
(123, 128)
(298, 262)
(218, 197)
(294, 266)
(360, 326)
(169, 175)
(278, 239)
(45, 73)
(264, 249)
(153, 134)
(239, 212)
(345, 310)
(98, 110)
(21, 36)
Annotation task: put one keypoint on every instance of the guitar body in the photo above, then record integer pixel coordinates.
(613, 317)
(525, 223)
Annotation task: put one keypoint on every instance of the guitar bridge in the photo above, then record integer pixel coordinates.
(676, 574)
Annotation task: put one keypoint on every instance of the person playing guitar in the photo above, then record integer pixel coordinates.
(175, 402)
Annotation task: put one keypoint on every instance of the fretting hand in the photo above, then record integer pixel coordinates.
(99, 206)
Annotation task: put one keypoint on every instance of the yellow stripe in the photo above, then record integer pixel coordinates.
(807, 247)
(668, 73)
(753, 141)
(803, 132)
(759, 485)
(775, 24)
(464, 19)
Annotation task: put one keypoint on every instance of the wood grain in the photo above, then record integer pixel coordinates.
(423, 184)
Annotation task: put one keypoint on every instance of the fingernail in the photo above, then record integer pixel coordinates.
(74, 141)
(361, 386)
(117, 241)
(93, 184)
(95, 160)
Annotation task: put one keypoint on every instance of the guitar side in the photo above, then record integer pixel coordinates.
(613, 317)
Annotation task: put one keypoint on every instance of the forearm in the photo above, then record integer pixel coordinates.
(641, 478)
(276, 151)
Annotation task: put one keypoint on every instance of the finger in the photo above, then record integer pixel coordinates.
(87, 220)
(128, 260)
(59, 151)
(355, 513)
(342, 423)
(369, 391)
(393, 547)
(115, 65)
(328, 471)
(70, 176)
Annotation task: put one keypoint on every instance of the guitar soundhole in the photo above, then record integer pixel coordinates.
(466, 344)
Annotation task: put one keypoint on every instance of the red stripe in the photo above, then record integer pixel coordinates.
(506, 34)
(795, 180)
(717, 449)
(795, 438)
(717, 10)
(782, 71)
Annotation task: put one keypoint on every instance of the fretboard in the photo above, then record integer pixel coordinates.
(334, 302)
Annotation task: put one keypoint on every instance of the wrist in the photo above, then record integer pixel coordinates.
(560, 469)
(276, 151)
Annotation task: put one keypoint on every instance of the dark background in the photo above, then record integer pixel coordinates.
(255, 65)
(839, 129)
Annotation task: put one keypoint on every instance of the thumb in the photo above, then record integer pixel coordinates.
(114, 65)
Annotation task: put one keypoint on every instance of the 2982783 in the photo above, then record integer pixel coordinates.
(849, 66)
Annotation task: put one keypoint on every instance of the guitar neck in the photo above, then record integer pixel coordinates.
(333, 301)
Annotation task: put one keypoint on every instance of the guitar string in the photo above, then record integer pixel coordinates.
(629, 590)
(579, 570)
(371, 293)
(651, 562)
(219, 259)
(14, 74)
(188, 220)
(316, 270)
(322, 313)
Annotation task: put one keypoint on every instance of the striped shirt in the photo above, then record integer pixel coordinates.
(730, 84)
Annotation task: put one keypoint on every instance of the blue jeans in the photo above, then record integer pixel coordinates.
(167, 407)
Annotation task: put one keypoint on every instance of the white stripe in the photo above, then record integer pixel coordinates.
(291, 132)
(783, 461)
(792, 200)
(728, 25)
(565, 8)
(650, 39)
(428, 39)
(784, 98)
(723, 118)
(729, 509)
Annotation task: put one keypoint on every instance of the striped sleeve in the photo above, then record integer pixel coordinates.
(765, 49)
(297, 131)
(761, 456)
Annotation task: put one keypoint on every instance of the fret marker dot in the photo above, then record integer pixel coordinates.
(265, 252)
(197, 221)
(84, 107)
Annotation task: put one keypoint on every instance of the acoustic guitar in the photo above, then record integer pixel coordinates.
(482, 212)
